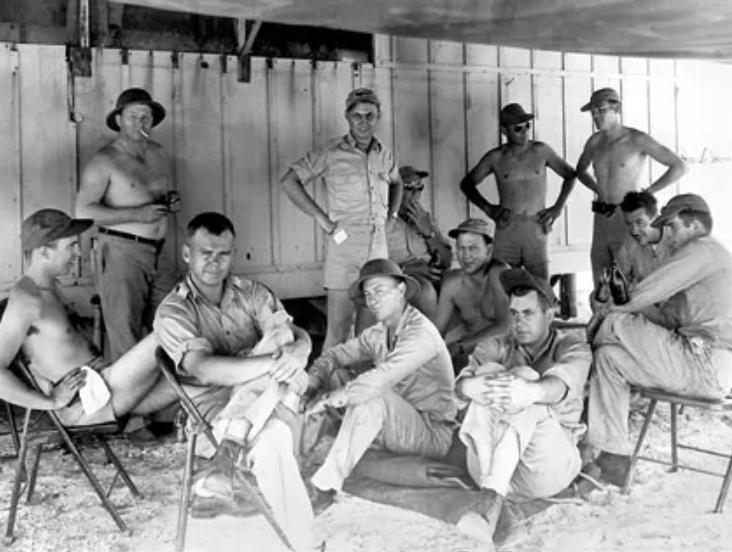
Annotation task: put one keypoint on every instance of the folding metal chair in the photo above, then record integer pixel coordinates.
(197, 426)
(72, 437)
(12, 430)
(675, 401)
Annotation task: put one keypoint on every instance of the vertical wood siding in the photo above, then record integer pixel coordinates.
(230, 142)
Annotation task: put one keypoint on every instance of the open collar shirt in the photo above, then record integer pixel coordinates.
(356, 182)
(416, 365)
(187, 321)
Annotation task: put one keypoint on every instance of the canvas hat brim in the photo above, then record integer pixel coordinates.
(356, 293)
(518, 277)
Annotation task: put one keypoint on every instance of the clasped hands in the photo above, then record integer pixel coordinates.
(503, 391)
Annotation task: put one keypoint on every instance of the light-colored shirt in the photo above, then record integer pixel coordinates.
(564, 356)
(187, 321)
(416, 365)
(406, 244)
(356, 182)
(638, 261)
(693, 290)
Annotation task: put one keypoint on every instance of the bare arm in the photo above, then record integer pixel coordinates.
(584, 164)
(469, 184)
(676, 166)
(296, 192)
(563, 169)
(445, 304)
(396, 190)
(95, 180)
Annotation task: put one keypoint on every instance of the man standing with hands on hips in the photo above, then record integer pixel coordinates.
(127, 189)
(364, 192)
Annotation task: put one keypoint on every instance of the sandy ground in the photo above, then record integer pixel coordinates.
(664, 512)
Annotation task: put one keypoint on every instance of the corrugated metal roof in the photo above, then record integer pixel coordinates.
(648, 28)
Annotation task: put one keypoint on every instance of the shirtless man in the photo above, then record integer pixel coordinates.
(127, 189)
(519, 166)
(473, 292)
(37, 324)
(618, 156)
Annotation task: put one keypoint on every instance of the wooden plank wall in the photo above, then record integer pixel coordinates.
(230, 142)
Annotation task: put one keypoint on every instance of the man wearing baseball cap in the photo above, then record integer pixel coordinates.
(473, 293)
(523, 221)
(674, 334)
(416, 243)
(406, 402)
(363, 191)
(618, 155)
(127, 189)
(525, 397)
(76, 381)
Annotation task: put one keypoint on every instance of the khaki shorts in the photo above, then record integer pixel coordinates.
(344, 261)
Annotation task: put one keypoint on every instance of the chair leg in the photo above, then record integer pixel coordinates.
(725, 487)
(185, 494)
(18, 483)
(35, 462)
(674, 439)
(13, 428)
(638, 445)
(112, 457)
(83, 464)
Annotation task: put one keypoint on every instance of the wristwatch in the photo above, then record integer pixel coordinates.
(430, 235)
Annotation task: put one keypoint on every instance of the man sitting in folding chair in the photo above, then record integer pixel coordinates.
(37, 323)
(209, 325)
(675, 333)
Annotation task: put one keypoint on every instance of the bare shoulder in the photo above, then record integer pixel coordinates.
(593, 141)
(451, 281)
(542, 148)
(25, 301)
(496, 269)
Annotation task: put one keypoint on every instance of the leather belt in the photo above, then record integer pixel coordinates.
(157, 244)
(607, 209)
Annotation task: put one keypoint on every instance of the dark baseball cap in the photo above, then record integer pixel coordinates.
(514, 114)
(601, 96)
(678, 204)
(410, 174)
(472, 226)
(48, 225)
(362, 95)
(515, 278)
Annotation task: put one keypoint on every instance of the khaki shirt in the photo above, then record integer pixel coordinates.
(563, 356)
(406, 244)
(356, 182)
(186, 321)
(637, 261)
(416, 365)
(693, 290)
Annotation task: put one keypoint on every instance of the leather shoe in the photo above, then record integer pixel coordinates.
(209, 507)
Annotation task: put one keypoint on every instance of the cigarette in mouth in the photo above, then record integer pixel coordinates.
(145, 134)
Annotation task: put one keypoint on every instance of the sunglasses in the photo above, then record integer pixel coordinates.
(414, 187)
(521, 127)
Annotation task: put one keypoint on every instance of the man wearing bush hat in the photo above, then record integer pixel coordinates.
(127, 189)
(674, 334)
(364, 192)
(519, 166)
(618, 155)
(406, 402)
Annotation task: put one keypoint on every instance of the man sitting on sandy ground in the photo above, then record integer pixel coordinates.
(472, 294)
(522, 424)
(38, 324)
(406, 402)
(213, 327)
(674, 334)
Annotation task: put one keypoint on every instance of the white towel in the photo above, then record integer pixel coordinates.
(95, 393)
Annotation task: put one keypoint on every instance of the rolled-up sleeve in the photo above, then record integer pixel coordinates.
(313, 165)
(572, 367)
(414, 348)
(177, 332)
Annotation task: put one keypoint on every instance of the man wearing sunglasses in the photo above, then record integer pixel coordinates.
(417, 244)
(521, 216)
(364, 192)
(618, 156)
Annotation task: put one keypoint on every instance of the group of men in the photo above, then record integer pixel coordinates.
(520, 383)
